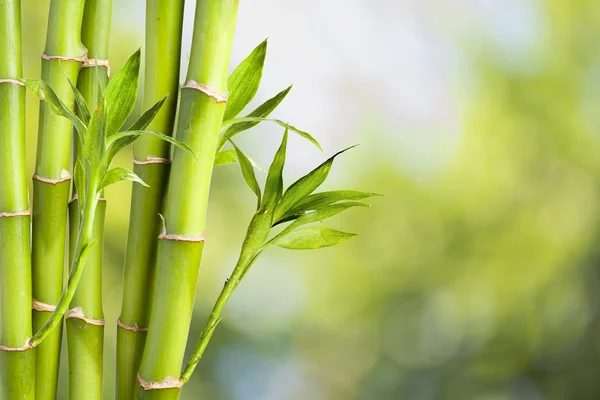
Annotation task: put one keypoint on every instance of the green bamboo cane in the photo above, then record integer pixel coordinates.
(182, 239)
(62, 56)
(85, 321)
(164, 21)
(15, 262)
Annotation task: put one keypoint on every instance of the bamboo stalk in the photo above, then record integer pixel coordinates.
(164, 22)
(85, 329)
(15, 261)
(62, 56)
(182, 240)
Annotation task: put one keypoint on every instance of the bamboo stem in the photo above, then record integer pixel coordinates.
(51, 186)
(85, 332)
(15, 261)
(178, 260)
(164, 22)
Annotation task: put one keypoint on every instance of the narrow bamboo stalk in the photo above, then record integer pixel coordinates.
(62, 56)
(85, 321)
(15, 261)
(180, 246)
(164, 22)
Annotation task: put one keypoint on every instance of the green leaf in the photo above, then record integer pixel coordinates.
(243, 83)
(305, 135)
(93, 144)
(261, 111)
(146, 119)
(248, 173)
(312, 238)
(80, 101)
(121, 93)
(304, 186)
(117, 175)
(225, 157)
(44, 92)
(117, 146)
(319, 200)
(80, 179)
(274, 183)
(113, 138)
(319, 215)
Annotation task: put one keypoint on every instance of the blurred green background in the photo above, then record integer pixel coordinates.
(476, 276)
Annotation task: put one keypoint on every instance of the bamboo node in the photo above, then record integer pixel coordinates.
(10, 80)
(151, 160)
(76, 197)
(77, 313)
(94, 62)
(134, 328)
(41, 306)
(64, 177)
(16, 213)
(178, 238)
(168, 383)
(63, 58)
(25, 347)
(207, 90)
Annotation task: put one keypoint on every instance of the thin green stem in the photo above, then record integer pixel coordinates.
(164, 22)
(15, 263)
(51, 183)
(180, 248)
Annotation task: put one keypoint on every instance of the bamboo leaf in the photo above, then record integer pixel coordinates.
(146, 119)
(304, 186)
(248, 173)
(117, 175)
(113, 138)
(79, 178)
(82, 106)
(117, 146)
(44, 92)
(243, 83)
(121, 93)
(245, 120)
(93, 144)
(274, 183)
(312, 238)
(261, 111)
(319, 200)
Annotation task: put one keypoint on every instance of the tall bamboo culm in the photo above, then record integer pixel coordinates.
(15, 262)
(85, 321)
(63, 55)
(164, 22)
(203, 100)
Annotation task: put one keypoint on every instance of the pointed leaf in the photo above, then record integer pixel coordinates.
(261, 111)
(94, 140)
(80, 179)
(121, 93)
(120, 135)
(82, 106)
(304, 186)
(248, 173)
(243, 83)
(305, 135)
(319, 200)
(312, 238)
(117, 175)
(146, 119)
(274, 183)
(44, 92)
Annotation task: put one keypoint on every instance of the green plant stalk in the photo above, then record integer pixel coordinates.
(164, 22)
(85, 338)
(15, 261)
(181, 244)
(51, 186)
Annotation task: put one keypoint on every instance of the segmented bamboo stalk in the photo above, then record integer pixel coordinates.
(85, 320)
(15, 262)
(63, 55)
(164, 21)
(181, 242)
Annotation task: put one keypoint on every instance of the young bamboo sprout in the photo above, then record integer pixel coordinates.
(152, 158)
(85, 320)
(180, 245)
(62, 59)
(18, 362)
